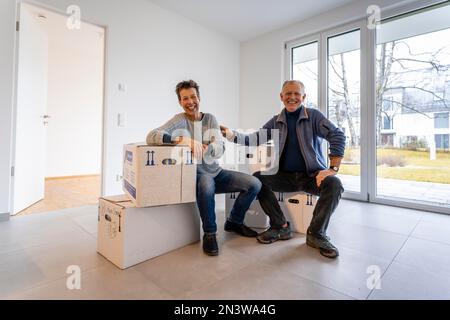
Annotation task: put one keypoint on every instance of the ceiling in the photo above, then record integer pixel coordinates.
(247, 19)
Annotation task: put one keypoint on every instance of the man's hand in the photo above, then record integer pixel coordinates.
(196, 147)
(227, 133)
(323, 174)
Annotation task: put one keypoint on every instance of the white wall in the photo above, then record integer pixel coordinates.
(150, 50)
(262, 60)
(75, 98)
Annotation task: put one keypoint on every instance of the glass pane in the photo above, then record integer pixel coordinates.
(344, 108)
(413, 103)
(305, 68)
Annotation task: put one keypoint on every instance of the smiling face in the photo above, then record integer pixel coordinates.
(292, 96)
(190, 102)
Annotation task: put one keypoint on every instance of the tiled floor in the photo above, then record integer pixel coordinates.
(409, 249)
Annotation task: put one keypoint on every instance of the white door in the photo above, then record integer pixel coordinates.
(29, 159)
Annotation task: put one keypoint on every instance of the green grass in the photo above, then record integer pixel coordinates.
(418, 166)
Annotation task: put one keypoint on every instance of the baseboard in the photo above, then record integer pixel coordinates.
(72, 177)
(4, 216)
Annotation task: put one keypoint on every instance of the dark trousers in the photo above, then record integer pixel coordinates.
(329, 193)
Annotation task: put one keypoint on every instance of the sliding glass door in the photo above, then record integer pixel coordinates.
(388, 89)
(329, 64)
(412, 107)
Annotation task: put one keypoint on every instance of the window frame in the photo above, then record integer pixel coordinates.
(322, 40)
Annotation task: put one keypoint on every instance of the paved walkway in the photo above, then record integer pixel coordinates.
(420, 191)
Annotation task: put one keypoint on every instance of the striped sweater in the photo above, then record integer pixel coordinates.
(205, 131)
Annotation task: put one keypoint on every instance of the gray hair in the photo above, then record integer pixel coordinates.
(302, 86)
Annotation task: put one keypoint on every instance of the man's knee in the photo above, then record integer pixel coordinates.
(334, 184)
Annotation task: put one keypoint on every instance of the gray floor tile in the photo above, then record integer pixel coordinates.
(264, 282)
(436, 229)
(372, 241)
(385, 218)
(348, 274)
(36, 250)
(407, 282)
(364, 207)
(88, 222)
(39, 265)
(188, 269)
(346, 206)
(255, 250)
(436, 217)
(37, 233)
(81, 211)
(427, 255)
(106, 282)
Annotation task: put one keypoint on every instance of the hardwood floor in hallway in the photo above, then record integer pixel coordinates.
(67, 192)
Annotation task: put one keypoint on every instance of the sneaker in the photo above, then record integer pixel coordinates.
(274, 234)
(241, 229)
(210, 244)
(326, 248)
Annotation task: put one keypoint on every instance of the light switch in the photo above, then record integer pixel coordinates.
(121, 121)
(122, 87)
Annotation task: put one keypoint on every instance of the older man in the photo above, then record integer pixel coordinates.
(302, 167)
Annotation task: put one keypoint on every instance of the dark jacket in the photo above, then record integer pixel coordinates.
(312, 128)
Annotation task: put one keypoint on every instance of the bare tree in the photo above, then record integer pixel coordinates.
(390, 80)
(344, 108)
(391, 70)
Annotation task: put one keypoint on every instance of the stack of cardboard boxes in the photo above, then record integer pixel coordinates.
(158, 213)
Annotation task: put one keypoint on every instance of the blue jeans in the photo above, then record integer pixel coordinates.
(226, 181)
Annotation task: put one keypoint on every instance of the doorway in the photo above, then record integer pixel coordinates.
(59, 112)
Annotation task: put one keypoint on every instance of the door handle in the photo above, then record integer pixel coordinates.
(46, 117)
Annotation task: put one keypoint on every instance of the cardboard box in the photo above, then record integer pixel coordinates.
(128, 235)
(159, 175)
(254, 217)
(253, 159)
(297, 207)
